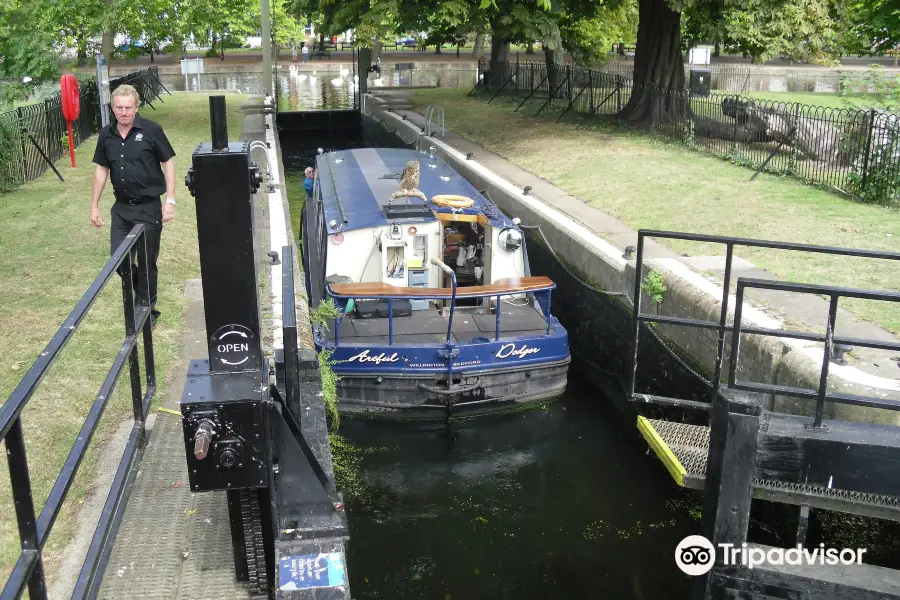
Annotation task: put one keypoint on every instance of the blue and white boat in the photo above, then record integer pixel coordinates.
(440, 315)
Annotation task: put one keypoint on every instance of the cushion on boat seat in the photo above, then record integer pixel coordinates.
(378, 309)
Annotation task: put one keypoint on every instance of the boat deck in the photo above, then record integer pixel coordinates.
(430, 326)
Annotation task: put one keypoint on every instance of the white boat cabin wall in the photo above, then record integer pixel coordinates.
(398, 254)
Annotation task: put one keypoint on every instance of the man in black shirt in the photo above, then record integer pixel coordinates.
(136, 155)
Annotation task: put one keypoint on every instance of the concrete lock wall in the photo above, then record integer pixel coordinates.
(763, 359)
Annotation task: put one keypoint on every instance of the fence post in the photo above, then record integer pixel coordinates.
(591, 91)
(865, 175)
(23, 134)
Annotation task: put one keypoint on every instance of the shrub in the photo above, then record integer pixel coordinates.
(10, 153)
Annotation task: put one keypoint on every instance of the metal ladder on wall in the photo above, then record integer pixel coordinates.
(433, 115)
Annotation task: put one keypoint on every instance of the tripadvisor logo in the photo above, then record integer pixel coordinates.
(696, 555)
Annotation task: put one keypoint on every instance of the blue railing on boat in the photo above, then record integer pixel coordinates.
(342, 293)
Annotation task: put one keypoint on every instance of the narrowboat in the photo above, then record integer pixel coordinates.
(436, 312)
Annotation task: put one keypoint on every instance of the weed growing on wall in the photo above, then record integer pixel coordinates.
(655, 286)
(329, 388)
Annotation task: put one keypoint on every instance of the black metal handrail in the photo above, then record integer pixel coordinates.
(33, 532)
(722, 327)
(829, 338)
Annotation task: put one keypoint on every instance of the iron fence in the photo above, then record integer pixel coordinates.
(856, 152)
(145, 81)
(34, 137)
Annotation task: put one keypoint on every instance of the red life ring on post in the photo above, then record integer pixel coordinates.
(71, 106)
(68, 91)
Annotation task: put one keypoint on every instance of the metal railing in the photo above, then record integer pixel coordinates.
(33, 532)
(145, 81)
(34, 137)
(721, 327)
(855, 152)
(821, 395)
(343, 299)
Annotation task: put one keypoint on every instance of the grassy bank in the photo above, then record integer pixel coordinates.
(823, 99)
(50, 255)
(648, 183)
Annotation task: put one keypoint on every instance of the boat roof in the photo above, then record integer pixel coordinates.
(357, 184)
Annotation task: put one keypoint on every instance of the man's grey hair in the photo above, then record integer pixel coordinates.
(127, 90)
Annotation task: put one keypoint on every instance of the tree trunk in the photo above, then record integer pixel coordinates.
(107, 45)
(322, 41)
(437, 46)
(499, 55)
(553, 58)
(555, 70)
(108, 41)
(658, 95)
(376, 52)
(478, 50)
(530, 48)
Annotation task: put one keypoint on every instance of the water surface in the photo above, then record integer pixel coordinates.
(558, 502)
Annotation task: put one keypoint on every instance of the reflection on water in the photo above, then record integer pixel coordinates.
(779, 83)
(558, 502)
(324, 88)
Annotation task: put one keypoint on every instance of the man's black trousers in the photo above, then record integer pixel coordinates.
(124, 216)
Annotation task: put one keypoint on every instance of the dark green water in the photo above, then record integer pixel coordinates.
(558, 502)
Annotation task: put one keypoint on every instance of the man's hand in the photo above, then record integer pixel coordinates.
(168, 212)
(96, 219)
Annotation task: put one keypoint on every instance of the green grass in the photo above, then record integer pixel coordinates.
(826, 100)
(49, 255)
(652, 184)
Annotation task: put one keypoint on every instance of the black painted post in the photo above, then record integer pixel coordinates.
(865, 176)
(733, 439)
(365, 60)
(222, 187)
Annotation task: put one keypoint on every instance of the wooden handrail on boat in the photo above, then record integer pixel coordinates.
(501, 287)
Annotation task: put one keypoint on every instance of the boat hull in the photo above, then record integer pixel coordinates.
(421, 396)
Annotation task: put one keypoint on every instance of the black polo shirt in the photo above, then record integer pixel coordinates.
(134, 162)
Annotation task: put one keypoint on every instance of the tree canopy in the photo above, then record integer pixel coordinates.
(34, 32)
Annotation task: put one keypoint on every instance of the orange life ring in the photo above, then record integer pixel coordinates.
(452, 200)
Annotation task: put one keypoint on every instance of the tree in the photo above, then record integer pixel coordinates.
(75, 23)
(221, 21)
(26, 46)
(588, 36)
(151, 21)
(797, 29)
(800, 28)
(870, 26)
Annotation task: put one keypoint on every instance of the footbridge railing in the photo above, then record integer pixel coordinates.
(34, 530)
(747, 452)
(722, 327)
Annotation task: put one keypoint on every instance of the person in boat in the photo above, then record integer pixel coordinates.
(308, 184)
